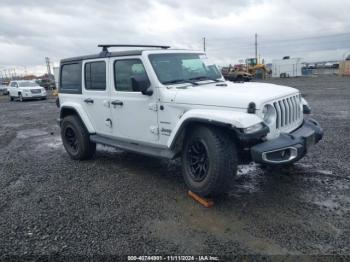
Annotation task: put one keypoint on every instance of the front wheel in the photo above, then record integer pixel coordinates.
(209, 161)
(20, 97)
(76, 139)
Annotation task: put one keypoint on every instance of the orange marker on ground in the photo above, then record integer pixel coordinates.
(203, 201)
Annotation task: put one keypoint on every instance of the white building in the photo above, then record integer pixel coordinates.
(290, 67)
(56, 73)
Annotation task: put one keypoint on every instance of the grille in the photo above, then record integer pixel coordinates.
(288, 111)
(35, 91)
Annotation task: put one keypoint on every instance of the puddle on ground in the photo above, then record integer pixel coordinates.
(246, 169)
(23, 134)
(247, 180)
(324, 172)
(53, 142)
(11, 125)
(329, 203)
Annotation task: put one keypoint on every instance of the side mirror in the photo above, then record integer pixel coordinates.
(142, 84)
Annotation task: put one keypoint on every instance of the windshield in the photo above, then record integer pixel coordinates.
(26, 84)
(182, 68)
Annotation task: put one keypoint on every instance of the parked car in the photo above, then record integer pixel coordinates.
(175, 103)
(24, 89)
(3, 90)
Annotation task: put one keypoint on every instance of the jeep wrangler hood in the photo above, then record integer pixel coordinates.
(235, 95)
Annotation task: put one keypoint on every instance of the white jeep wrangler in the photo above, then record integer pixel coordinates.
(175, 103)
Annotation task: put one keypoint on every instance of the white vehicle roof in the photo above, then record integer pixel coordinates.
(128, 53)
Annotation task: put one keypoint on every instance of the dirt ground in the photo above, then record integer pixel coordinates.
(120, 203)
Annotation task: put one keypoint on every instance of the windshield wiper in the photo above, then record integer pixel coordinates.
(179, 81)
(199, 78)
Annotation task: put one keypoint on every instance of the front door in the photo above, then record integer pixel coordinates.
(96, 95)
(134, 115)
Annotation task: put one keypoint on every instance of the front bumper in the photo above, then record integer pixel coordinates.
(34, 96)
(288, 147)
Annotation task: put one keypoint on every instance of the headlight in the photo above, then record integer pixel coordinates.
(306, 107)
(253, 128)
(269, 114)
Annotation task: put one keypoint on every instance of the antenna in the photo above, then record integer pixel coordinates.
(105, 47)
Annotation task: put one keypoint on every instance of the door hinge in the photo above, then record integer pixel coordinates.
(153, 106)
(154, 130)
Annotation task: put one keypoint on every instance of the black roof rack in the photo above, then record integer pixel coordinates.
(105, 47)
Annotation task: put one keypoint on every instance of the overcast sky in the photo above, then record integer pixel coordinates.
(314, 30)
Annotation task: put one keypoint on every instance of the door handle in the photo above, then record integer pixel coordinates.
(89, 100)
(117, 103)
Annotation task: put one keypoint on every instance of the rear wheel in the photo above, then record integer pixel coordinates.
(76, 139)
(209, 161)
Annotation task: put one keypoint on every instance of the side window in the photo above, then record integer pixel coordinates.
(14, 84)
(95, 75)
(124, 71)
(71, 78)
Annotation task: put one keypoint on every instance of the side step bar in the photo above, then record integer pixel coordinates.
(134, 147)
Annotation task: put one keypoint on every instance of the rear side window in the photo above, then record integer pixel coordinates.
(71, 78)
(95, 75)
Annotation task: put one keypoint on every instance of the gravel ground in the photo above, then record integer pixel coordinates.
(120, 203)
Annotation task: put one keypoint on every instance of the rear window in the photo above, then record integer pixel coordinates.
(71, 78)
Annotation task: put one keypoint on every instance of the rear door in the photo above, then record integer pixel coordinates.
(96, 93)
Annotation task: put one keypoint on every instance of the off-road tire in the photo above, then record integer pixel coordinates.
(82, 148)
(222, 161)
(239, 79)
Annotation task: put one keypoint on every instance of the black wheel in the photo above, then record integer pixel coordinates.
(20, 97)
(209, 161)
(240, 79)
(76, 138)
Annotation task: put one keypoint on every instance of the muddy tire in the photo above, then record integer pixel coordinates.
(76, 139)
(209, 161)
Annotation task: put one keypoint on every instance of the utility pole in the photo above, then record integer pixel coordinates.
(204, 47)
(256, 47)
(48, 66)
